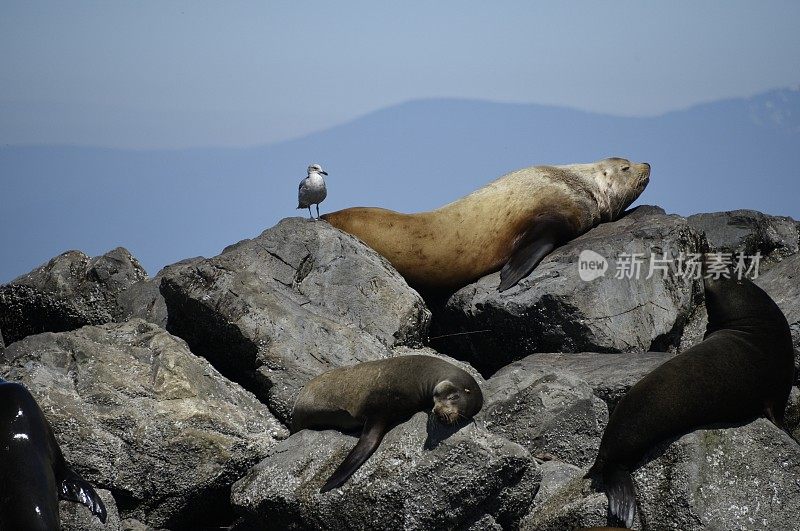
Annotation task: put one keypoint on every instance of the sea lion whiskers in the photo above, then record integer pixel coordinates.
(448, 415)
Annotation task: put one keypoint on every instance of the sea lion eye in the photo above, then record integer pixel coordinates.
(626, 168)
(454, 396)
(605, 173)
(466, 390)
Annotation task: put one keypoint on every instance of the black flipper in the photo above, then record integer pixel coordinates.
(621, 494)
(370, 439)
(544, 235)
(74, 488)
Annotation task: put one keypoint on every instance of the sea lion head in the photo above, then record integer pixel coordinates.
(456, 400)
(737, 303)
(620, 182)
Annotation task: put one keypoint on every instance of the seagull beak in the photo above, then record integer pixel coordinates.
(323, 172)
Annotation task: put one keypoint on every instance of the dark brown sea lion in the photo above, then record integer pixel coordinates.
(512, 223)
(743, 368)
(33, 473)
(374, 396)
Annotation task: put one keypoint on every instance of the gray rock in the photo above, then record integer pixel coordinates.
(485, 523)
(464, 478)
(555, 476)
(2, 343)
(77, 517)
(749, 232)
(554, 416)
(782, 283)
(132, 524)
(136, 413)
(553, 310)
(300, 299)
(575, 505)
(793, 414)
(610, 375)
(795, 328)
(695, 328)
(144, 300)
(70, 291)
(734, 478)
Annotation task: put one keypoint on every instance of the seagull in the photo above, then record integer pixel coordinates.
(312, 189)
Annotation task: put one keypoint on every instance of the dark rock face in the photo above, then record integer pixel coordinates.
(749, 232)
(302, 298)
(144, 300)
(70, 291)
(136, 413)
(472, 476)
(553, 310)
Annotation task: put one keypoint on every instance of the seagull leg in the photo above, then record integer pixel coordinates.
(317, 205)
(310, 215)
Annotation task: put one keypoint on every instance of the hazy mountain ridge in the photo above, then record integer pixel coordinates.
(169, 204)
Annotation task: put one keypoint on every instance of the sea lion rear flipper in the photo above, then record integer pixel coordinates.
(537, 242)
(621, 494)
(370, 439)
(74, 488)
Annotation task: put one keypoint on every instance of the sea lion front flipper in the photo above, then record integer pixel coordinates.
(537, 242)
(370, 439)
(74, 488)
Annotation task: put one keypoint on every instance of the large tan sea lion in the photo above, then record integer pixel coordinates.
(512, 223)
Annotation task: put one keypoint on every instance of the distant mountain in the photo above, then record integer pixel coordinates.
(168, 205)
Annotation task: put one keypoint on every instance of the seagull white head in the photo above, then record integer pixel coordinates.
(316, 168)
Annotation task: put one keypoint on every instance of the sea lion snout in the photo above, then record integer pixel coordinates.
(644, 175)
(452, 403)
(446, 414)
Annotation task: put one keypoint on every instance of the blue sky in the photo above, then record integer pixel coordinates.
(193, 74)
(150, 77)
